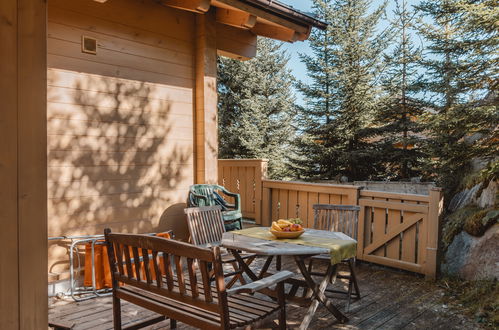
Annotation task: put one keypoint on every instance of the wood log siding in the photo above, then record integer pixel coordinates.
(396, 230)
(120, 126)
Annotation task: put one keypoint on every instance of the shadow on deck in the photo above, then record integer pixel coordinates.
(390, 300)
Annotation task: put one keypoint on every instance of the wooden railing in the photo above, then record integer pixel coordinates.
(396, 230)
(288, 199)
(245, 176)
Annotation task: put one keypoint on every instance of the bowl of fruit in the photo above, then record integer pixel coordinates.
(290, 228)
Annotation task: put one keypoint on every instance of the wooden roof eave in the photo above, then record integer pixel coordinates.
(240, 21)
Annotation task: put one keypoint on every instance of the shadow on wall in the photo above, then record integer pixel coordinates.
(114, 157)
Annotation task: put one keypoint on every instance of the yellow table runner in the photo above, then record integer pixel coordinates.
(339, 248)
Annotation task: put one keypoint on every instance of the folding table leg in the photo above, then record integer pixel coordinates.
(318, 293)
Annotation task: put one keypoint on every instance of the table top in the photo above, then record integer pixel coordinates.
(275, 247)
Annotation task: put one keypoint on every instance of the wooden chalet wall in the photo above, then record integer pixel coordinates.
(120, 122)
(23, 161)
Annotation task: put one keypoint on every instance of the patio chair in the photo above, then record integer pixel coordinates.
(206, 227)
(344, 219)
(210, 194)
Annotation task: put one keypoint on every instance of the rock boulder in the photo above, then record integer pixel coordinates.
(474, 258)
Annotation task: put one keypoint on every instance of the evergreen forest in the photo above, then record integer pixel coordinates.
(406, 93)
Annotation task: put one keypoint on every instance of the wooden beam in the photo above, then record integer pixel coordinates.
(265, 15)
(197, 6)
(275, 32)
(236, 18)
(23, 163)
(205, 119)
(235, 43)
(435, 212)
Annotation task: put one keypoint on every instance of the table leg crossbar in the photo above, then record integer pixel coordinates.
(311, 289)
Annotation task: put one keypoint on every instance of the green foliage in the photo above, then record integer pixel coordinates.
(396, 124)
(461, 78)
(256, 106)
(342, 94)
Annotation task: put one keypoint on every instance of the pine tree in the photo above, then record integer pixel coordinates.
(462, 76)
(342, 96)
(314, 158)
(256, 106)
(397, 120)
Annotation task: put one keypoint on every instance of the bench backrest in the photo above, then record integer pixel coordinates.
(340, 218)
(173, 269)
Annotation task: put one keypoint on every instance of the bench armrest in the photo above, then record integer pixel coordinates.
(261, 284)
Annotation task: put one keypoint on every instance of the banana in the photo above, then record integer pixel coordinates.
(283, 225)
(284, 222)
(275, 226)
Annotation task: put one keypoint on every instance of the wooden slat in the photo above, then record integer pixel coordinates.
(136, 261)
(393, 246)
(168, 270)
(409, 238)
(274, 205)
(146, 265)
(292, 204)
(128, 263)
(312, 198)
(157, 269)
(205, 277)
(283, 201)
(379, 229)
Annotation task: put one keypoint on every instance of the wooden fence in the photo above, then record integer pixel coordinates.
(288, 199)
(396, 230)
(400, 230)
(245, 176)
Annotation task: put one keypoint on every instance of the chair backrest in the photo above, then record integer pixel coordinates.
(185, 269)
(206, 224)
(340, 218)
(206, 190)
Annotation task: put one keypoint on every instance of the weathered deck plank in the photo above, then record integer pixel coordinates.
(390, 300)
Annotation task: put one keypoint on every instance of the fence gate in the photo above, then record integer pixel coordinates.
(394, 230)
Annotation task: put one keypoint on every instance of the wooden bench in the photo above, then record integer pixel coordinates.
(176, 284)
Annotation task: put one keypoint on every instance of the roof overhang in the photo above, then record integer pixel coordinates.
(242, 20)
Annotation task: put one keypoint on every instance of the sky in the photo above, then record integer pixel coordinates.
(293, 49)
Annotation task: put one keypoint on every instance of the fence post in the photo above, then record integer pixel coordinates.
(433, 234)
(260, 174)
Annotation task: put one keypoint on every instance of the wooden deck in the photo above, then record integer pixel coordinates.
(390, 300)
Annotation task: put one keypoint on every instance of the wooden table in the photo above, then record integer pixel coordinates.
(274, 248)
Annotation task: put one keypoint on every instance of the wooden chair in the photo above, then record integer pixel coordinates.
(339, 218)
(184, 293)
(211, 194)
(206, 227)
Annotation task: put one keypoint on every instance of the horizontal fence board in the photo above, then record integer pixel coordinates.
(384, 194)
(394, 205)
(309, 187)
